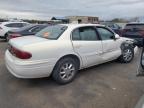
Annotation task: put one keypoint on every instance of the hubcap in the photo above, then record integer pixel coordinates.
(127, 55)
(67, 71)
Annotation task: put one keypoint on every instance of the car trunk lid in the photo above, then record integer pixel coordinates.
(23, 41)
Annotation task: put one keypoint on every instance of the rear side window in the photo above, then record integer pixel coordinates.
(52, 32)
(132, 26)
(85, 34)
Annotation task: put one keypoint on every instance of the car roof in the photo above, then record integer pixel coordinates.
(81, 25)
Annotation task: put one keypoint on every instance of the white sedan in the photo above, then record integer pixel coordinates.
(61, 50)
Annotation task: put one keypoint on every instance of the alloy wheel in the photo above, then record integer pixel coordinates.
(127, 54)
(67, 71)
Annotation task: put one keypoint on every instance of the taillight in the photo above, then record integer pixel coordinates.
(11, 36)
(18, 53)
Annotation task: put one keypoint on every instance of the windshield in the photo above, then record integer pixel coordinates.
(52, 32)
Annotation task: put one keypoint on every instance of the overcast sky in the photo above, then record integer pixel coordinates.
(45, 9)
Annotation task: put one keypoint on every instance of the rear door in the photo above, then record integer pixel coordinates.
(86, 44)
(110, 45)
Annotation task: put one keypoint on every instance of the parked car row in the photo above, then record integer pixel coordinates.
(7, 26)
(131, 30)
(61, 50)
(115, 27)
(9, 30)
(134, 30)
(31, 29)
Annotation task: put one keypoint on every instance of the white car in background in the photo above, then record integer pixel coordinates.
(6, 26)
(62, 50)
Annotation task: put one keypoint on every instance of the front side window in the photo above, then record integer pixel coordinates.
(105, 34)
(85, 34)
(52, 32)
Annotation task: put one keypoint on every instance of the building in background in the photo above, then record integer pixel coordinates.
(60, 20)
(83, 19)
(140, 19)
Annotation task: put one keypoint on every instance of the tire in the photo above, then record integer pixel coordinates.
(65, 70)
(127, 55)
(6, 37)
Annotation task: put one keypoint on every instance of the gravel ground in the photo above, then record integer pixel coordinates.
(110, 85)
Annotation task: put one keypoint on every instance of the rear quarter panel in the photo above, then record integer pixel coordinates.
(49, 51)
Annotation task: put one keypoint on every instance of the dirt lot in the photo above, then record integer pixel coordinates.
(111, 85)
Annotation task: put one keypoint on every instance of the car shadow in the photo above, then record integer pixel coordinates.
(49, 82)
(96, 67)
(2, 40)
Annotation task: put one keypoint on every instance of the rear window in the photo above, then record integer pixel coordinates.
(131, 26)
(52, 32)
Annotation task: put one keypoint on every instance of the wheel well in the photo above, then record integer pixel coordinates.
(6, 34)
(73, 57)
(126, 44)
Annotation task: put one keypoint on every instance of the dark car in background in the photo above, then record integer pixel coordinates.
(26, 31)
(115, 27)
(133, 30)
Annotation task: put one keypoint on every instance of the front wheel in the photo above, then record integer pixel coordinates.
(65, 70)
(127, 55)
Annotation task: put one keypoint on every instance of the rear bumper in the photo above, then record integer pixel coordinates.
(27, 70)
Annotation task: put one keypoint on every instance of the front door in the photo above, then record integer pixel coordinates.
(110, 45)
(87, 45)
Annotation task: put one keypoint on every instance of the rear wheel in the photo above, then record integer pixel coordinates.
(127, 55)
(65, 70)
(6, 37)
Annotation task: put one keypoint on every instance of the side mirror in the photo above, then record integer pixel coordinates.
(117, 36)
(30, 30)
